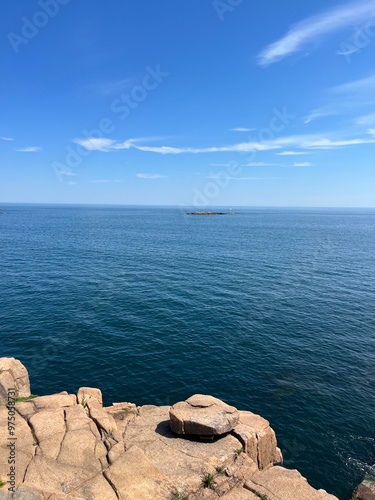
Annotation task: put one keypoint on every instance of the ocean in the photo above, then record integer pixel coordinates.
(270, 309)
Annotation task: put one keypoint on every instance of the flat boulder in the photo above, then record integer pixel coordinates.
(203, 415)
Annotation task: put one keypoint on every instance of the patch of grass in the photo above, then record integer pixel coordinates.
(178, 496)
(84, 402)
(22, 399)
(220, 470)
(2, 483)
(259, 495)
(239, 451)
(109, 435)
(209, 481)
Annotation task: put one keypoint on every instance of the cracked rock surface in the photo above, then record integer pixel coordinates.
(70, 447)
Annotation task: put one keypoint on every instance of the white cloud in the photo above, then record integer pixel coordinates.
(293, 153)
(302, 164)
(242, 129)
(95, 144)
(243, 147)
(313, 141)
(105, 145)
(66, 173)
(313, 28)
(72, 183)
(164, 150)
(127, 144)
(303, 142)
(29, 149)
(150, 176)
(327, 143)
(6, 138)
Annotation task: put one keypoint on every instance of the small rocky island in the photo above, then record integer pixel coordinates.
(68, 446)
(206, 213)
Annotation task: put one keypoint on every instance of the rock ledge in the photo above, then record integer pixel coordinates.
(68, 446)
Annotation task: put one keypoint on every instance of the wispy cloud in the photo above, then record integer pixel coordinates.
(310, 142)
(72, 183)
(67, 173)
(105, 145)
(303, 142)
(363, 85)
(333, 144)
(293, 153)
(320, 113)
(243, 147)
(242, 129)
(6, 138)
(348, 52)
(366, 119)
(150, 176)
(302, 164)
(95, 144)
(29, 149)
(315, 27)
(346, 99)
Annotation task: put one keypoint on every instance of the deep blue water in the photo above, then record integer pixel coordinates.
(272, 310)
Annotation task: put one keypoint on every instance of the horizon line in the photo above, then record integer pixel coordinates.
(180, 206)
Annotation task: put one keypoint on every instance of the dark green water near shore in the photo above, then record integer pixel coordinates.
(272, 310)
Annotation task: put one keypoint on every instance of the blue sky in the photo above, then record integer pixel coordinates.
(217, 102)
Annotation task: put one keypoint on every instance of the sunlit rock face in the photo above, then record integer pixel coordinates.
(69, 446)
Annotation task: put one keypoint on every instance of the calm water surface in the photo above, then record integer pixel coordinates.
(272, 310)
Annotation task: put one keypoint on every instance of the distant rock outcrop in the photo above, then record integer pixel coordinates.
(365, 491)
(69, 446)
(206, 213)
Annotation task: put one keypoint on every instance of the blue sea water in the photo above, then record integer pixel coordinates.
(272, 310)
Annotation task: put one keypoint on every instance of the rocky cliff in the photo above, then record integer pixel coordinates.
(68, 446)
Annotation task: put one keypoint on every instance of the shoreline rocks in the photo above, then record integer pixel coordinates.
(69, 446)
(365, 491)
